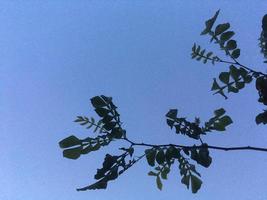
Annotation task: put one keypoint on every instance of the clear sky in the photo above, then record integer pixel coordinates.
(56, 55)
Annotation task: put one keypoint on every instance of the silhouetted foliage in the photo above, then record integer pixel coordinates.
(162, 157)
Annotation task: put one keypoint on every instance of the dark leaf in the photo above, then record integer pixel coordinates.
(226, 36)
(219, 112)
(226, 120)
(152, 173)
(232, 89)
(160, 157)
(72, 153)
(209, 23)
(151, 156)
(69, 142)
(215, 85)
(261, 118)
(170, 122)
(185, 180)
(102, 184)
(195, 183)
(98, 102)
(165, 172)
(236, 53)
(102, 112)
(117, 133)
(218, 127)
(240, 85)
(224, 77)
(231, 44)
(172, 113)
(247, 79)
(159, 183)
(109, 126)
(221, 28)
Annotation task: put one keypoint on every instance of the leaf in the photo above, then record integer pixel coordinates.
(215, 85)
(172, 113)
(72, 153)
(226, 120)
(102, 184)
(221, 28)
(193, 169)
(209, 54)
(218, 127)
(232, 89)
(160, 157)
(235, 73)
(226, 36)
(185, 180)
(152, 173)
(247, 79)
(219, 112)
(107, 119)
(165, 172)
(261, 118)
(151, 156)
(109, 126)
(195, 183)
(117, 133)
(102, 112)
(209, 23)
(204, 159)
(79, 119)
(224, 77)
(194, 47)
(159, 183)
(170, 123)
(69, 142)
(240, 85)
(236, 53)
(97, 102)
(86, 150)
(231, 44)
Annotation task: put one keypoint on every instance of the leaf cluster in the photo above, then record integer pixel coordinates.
(232, 81)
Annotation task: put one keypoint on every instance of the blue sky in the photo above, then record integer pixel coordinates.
(56, 55)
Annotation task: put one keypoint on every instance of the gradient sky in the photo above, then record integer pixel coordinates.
(56, 55)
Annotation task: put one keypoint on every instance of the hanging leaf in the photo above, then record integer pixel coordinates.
(159, 183)
(219, 112)
(152, 173)
(235, 73)
(261, 118)
(221, 28)
(232, 89)
(102, 112)
(236, 53)
(160, 157)
(224, 77)
(240, 85)
(72, 153)
(151, 156)
(172, 113)
(231, 44)
(98, 102)
(185, 180)
(226, 120)
(226, 36)
(209, 23)
(69, 142)
(165, 172)
(195, 183)
(215, 85)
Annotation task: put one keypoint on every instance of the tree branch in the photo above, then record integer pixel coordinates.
(240, 148)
